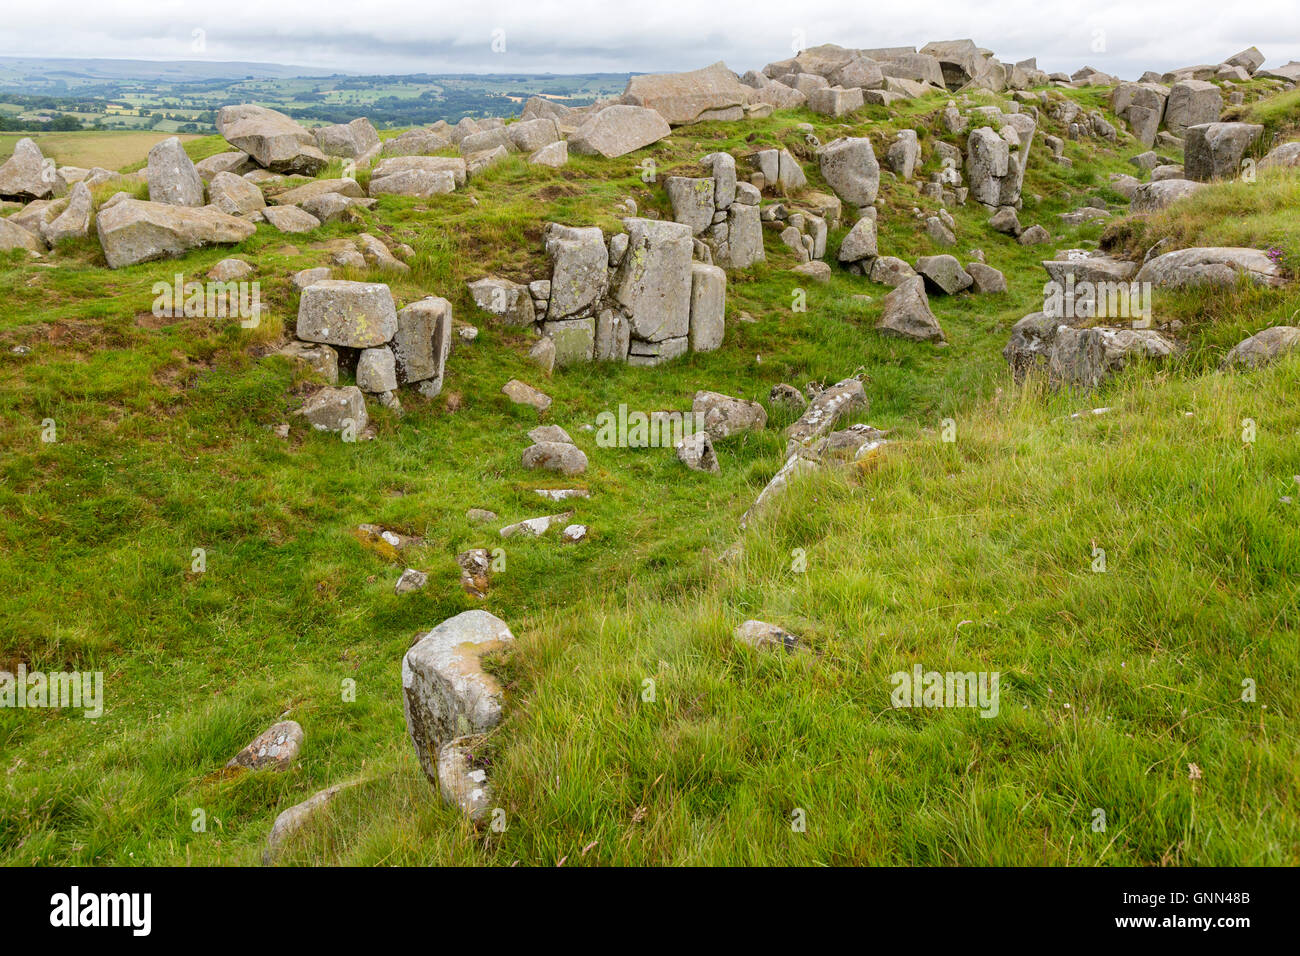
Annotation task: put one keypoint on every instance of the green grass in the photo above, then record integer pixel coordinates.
(972, 555)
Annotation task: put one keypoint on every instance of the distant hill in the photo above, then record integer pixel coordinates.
(32, 72)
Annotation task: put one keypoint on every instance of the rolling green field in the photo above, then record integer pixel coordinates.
(1121, 690)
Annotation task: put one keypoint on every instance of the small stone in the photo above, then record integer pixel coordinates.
(411, 580)
(522, 394)
(273, 749)
(573, 533)
(765, 637)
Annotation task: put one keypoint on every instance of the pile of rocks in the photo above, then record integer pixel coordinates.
(1051, 341)
(722, 213)
(356, 325)
(639, 298)
(1148, 105)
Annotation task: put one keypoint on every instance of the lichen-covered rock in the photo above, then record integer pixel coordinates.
(376, 370)
(849, 166)
(721, 415)
(508, 300)
(695, 451)
(692, 201)
(574, 340)
(172, 176)
(336, 410)
(461, 782)
(1030, 346)
(445, 691)
(273, 749)
(1087, 357)
(352, 314)
(653, 282)
(321, 359)
(579, 269)
(1217, 266)
(133, 230)
(825, 410)
(422, 343)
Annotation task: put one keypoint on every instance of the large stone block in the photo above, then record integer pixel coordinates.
(351, 314)
(653, 282)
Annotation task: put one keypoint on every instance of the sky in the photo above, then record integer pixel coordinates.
(581, 36)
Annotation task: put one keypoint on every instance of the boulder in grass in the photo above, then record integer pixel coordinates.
(27, 175)
(711, 93)
(423, 342)
(446, 693)
(766, 637)
(14, 236)
(350, 314)
(944, 273)
(235, 162)
(1215, 150)
(906, 313)
(133, 231)
(561, 457)
(74, 221)
(172, 176)
(722, 416)
(433, 164)
(348, 140)
(1087, 357)
(273, 140)
(336, 410)
(273, 749)
(234, 195)
(618, 130)
(696, 452)
(849, 166)
(420, 183)
(1210, 266)
(1262, 348)
(290, 219)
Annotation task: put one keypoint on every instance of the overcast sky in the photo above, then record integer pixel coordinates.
(576, 36)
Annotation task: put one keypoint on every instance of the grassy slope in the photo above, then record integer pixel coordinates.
(973, 555)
